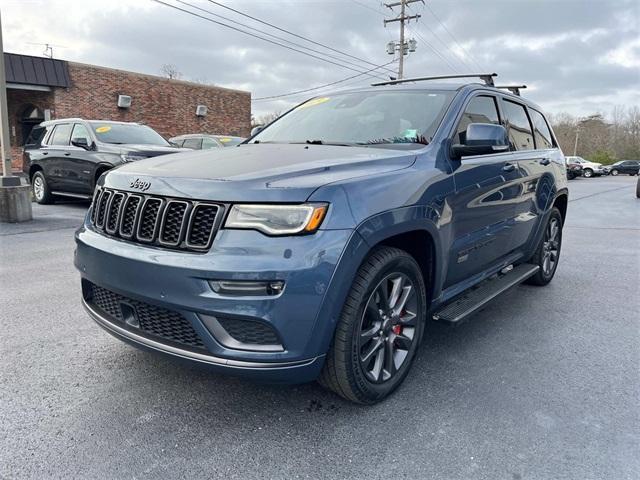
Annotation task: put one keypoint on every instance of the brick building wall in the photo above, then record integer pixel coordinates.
(167, 106)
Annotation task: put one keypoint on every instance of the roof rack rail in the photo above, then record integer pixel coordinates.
(486, 77)
(515, 89)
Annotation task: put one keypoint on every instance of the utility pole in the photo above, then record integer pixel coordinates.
(15, 202)
(402, 46)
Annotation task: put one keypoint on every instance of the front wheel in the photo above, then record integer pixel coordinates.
(588, 173)
(548, 252)
(614, 172)
(379, 329)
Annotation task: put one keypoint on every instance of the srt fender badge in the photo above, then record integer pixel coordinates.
(140, 185)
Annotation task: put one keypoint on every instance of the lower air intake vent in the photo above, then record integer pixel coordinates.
(151, 320)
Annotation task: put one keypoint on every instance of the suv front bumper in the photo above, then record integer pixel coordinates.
(177, 283)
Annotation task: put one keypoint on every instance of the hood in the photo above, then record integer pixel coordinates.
(257, 172)
(150, 150)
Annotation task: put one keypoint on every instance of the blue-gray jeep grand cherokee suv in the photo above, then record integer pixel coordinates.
(320, 247)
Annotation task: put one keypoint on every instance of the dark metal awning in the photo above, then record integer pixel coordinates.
(38, 71)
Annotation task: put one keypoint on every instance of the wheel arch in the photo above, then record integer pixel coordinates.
(33, 169)
(561, 202)
(100, 169)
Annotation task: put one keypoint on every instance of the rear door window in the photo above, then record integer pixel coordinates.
(541, 130)
(481, 109)
(209, 143)
(195, 143)
(61, 135)
(518, 126)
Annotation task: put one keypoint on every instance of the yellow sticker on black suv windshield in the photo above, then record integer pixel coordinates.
(225, 140)
(103, 129)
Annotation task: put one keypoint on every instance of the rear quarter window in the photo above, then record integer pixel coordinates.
(518, 126)
(541, 130)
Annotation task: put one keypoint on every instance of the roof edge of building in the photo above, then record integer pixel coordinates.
(158, 77)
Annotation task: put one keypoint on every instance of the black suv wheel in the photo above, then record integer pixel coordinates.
(548, 251)
(379, 330)
(41, 191)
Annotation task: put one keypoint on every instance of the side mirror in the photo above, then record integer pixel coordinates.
(80, 142)
(482, 139)
(257, 129)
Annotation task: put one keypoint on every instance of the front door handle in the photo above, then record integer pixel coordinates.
(545, 161)
(508, 167)
(67, 154)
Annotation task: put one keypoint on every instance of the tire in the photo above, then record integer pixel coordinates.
(614, 172)
(638, 189)
(545, 251)
(587, 173)
(364, 330)
(40, 188)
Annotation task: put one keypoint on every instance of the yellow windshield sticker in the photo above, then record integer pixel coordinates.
(103, 129)
(315, 101)
(225, 140)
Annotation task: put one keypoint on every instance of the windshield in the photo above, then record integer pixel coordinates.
(361, 118)
(119, 133)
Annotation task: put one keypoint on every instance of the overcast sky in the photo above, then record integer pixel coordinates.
(575, 56)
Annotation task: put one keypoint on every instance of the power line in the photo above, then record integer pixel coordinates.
(271, 35)
(447, 48)
(295, 34)
(364, 5)
(453, 37)
(271, 97)
(434, 50)
(254, 35)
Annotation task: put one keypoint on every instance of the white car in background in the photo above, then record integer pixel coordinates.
(589, 169)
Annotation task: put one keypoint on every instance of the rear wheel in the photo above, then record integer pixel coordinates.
(379, 330)
(41, 191)
(548, 251)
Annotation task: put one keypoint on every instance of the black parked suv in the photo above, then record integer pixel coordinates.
(630, 167)
(67, 156)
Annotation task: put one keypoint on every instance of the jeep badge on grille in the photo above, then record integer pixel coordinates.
(140, 185)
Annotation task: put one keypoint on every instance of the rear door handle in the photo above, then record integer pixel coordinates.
(508, 167)
(545, 161)
(67, 154)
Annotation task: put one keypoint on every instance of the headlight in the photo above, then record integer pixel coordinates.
(277, 219)
(131, 157)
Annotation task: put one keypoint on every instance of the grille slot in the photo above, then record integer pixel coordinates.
(173, 222)
(201, 226)
(164, 222)
(114, 213)
(149, 220)
(154, 321)
(249, 332)
(129, 214)
(102, 208)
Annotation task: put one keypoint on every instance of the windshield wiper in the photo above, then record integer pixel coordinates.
(396, 140)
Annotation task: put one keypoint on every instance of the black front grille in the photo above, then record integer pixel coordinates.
(166, 222)
(248, 331)
(149, 320)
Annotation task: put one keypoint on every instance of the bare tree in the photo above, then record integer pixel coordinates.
(598, 139)
(169, 70)
(266, 119)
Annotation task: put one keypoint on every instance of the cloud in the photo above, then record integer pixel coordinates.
(576, 56)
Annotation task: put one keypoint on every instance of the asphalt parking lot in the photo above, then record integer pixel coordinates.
(543, 384)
